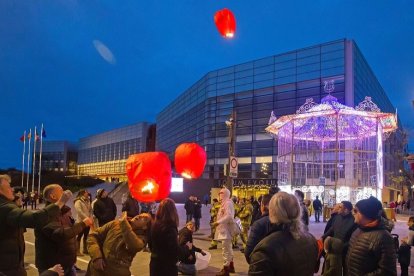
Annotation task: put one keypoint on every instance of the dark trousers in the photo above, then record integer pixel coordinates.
(83, 234)
(404, 270)
(197, 223)
(189, 217)
(317, 215)
(34, 203)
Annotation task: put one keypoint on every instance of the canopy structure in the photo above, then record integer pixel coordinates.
(332, 150)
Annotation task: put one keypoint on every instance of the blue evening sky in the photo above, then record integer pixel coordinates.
(52, 73)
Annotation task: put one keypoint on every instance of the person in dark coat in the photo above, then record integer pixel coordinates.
(188, 260)
(317, 207)
(288, 249)
(131, 206)
(189, 208)
(260, 228)
(56, 241)
(342, 228)
(163, 242)
(197, 213)
(256, 210)
(371, 249)
(104, 208)
(13, 221)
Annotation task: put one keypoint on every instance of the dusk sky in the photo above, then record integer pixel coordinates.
(83, 67)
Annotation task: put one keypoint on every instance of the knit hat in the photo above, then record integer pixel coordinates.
(371, 207)
(99, 193)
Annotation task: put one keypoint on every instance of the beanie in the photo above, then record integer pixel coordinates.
(371, 207)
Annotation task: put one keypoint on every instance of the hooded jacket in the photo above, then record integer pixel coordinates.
(225, 217)
(333, 257)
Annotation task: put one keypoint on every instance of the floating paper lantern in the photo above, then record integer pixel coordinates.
(225, 23)
(149, 176)
(190, 160)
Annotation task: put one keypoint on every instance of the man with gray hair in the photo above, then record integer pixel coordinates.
(13, 221)
(56, 241)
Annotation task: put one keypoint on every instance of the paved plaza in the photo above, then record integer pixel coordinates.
(141, 262)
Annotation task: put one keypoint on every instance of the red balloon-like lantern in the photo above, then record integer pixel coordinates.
(190, 160)
(149, 176)
(225, 23)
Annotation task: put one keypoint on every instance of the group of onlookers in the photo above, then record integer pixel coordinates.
(356, 240)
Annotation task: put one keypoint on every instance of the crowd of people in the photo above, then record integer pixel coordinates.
(273, 230)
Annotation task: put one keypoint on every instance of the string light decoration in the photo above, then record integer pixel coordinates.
(334, 146)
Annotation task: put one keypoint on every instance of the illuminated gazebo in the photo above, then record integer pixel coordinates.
(332, 150)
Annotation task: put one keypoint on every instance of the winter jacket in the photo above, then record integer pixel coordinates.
(131, 206)
(117, 244)
(258, 231)
(330, 222)
(13, 220)
(317, 205)
(83, 209)
(57, 241)
(280, 254)
(104, 210)
(333, 257)
(371, 251)
(225, 221)
(342, 228)
(165, 251)
(197, 209)
(189, 207)
(185, 235)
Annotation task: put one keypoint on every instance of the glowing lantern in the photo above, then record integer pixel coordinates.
(225, 23)
(149, 176)
(190, 160)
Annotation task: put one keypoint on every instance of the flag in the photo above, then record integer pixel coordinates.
(22, 138)
(44, 133)
(37, 137)
(29, 136)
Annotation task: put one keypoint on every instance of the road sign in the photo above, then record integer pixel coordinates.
(234, 164)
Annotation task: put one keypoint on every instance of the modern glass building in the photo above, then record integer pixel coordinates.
(279, 83)
(58, 156)
(104, 155)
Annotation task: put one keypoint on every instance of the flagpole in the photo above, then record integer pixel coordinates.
(40, 159)
(24, 151)
(28, 162)
(34, 158)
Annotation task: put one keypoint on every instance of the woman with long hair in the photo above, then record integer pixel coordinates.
(164, 241)
(287, 249)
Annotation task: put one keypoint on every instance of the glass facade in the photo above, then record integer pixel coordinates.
(281, 83)
(57, 156)
(253, 89)
(105, 154)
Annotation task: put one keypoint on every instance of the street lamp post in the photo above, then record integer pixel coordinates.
(231, 125)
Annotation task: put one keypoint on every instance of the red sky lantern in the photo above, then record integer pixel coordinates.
(190, 160)
(225, 23)
(149, 176)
